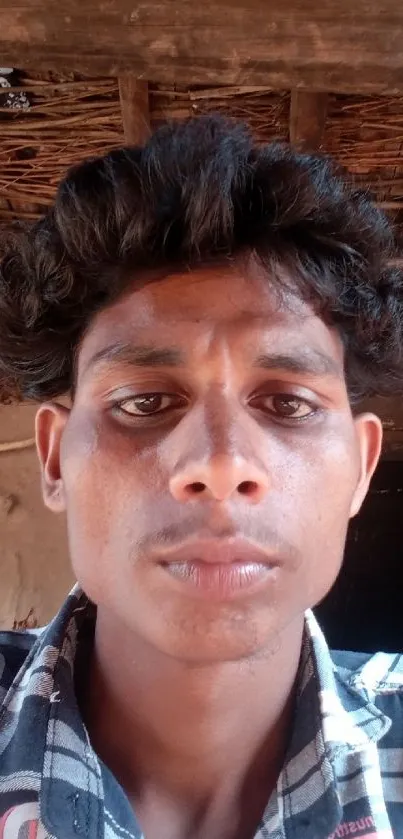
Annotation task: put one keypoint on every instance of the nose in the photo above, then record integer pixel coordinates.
(219, 453)
(223, 477)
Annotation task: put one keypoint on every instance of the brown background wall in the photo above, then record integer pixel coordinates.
(34, 569)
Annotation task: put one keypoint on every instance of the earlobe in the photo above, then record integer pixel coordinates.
(50, 422)
(369, 434)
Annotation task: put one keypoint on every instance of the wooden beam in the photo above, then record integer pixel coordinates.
(318, 45)
(135, 109)
(307, 119)
(390, 205)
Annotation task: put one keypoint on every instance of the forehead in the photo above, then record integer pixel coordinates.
(231, 302)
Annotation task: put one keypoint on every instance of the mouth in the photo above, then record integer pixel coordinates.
(219, 570)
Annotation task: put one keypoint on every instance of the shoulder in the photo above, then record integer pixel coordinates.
(378, 680)
(375, 673)
(15, 647)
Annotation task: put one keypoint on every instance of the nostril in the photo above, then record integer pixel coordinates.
(247, 487)
(197, 487)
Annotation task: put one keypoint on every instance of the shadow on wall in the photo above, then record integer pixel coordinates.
(364, 611)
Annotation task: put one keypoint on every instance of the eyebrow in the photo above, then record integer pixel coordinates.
(302, 361)
(136, 356)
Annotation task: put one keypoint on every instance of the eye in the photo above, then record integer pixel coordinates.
(148, 404)
(286, 406)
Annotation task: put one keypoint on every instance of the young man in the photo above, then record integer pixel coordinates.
(216, 310)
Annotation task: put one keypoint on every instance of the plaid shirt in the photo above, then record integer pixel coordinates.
(343, 775)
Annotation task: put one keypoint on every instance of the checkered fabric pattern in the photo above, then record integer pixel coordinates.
(342, 777)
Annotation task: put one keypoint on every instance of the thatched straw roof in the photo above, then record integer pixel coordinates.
(71, 118)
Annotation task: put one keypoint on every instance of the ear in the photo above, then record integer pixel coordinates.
(369, 433)
(50, 421)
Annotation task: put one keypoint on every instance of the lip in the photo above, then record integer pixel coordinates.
(218, 551)
(219, 569)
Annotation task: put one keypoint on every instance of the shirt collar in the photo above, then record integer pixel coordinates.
(332, 720)
(71, 792)
(348, 719)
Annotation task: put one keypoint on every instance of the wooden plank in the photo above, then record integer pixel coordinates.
(135, 109)
(390, 205)
(307, 119)
(334, 45)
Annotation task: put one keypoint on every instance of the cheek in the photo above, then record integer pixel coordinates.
(325, 472)
(322, 502)
(109, 488)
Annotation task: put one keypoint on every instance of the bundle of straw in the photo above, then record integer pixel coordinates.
(365, 134)
(71, 118)
(67, 121)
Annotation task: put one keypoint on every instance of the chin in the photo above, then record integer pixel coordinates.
(218, 641)
(215, 654)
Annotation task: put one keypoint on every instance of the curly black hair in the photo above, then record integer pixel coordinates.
(199, 190)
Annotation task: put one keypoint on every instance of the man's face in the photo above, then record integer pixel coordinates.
(207, 414)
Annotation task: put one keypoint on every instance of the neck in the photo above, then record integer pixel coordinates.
(178, 727)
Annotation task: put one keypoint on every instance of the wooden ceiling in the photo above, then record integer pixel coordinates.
(332, 45)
